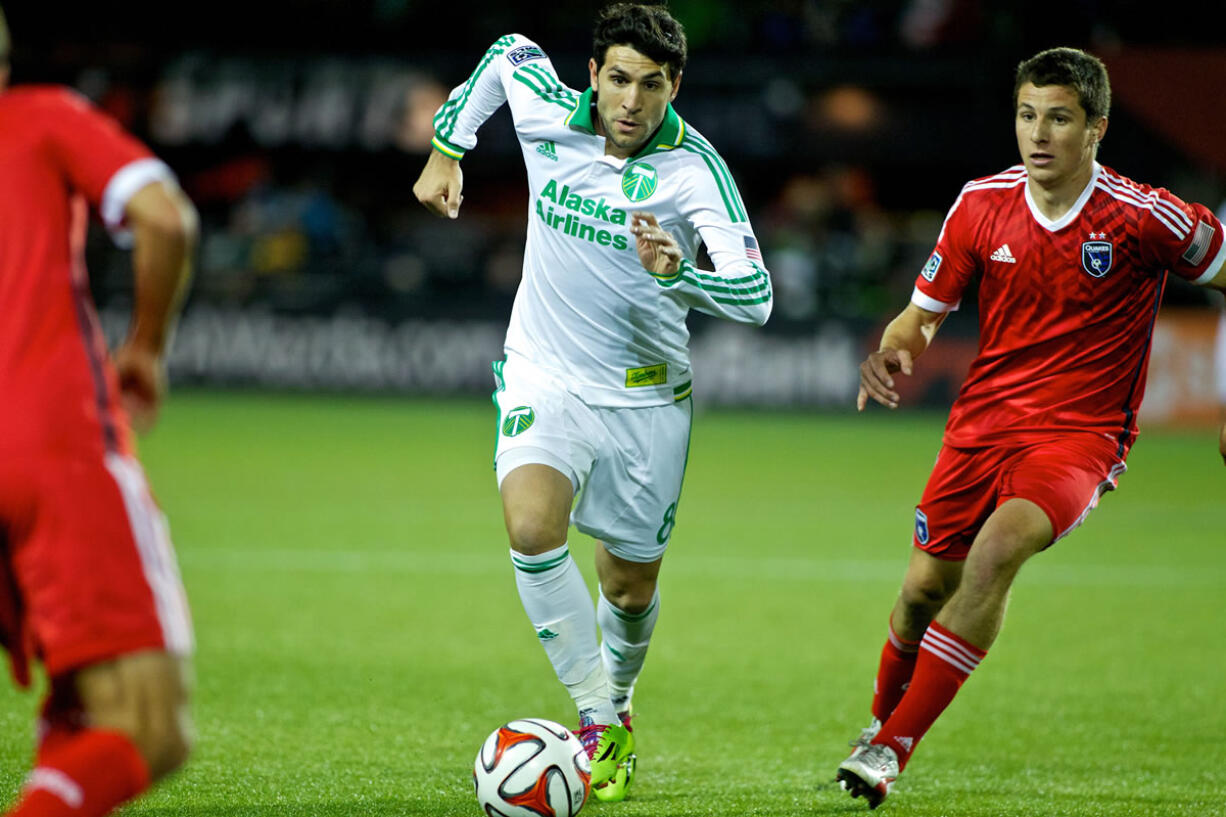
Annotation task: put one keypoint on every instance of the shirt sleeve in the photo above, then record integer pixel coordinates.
(739, 288)
(940, 284)
(101, 160)
(513, 68)
(1184, 238)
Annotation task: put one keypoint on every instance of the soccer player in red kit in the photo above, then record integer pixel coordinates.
(88, 580)
(1072, 258)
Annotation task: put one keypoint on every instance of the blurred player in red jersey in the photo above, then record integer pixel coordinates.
(88, 580)
(1072, 258)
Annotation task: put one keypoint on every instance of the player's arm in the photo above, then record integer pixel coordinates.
(905, 339)
(164, 227)
(468, 106)
(739, 287)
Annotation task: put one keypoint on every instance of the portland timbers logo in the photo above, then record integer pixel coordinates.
(639, 181)
(518, 421)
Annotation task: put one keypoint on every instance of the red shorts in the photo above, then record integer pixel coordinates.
(87, 572)
(1065, 477)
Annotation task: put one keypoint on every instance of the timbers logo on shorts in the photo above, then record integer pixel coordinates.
(519, 420)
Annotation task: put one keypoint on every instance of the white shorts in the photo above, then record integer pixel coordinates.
(626, 464)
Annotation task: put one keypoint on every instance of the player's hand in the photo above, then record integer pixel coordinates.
(439, 185)
(142, 384)
(876, 379)
(659, 252)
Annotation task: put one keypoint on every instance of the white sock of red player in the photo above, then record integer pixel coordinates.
(625, 638)
(558, 604)
(87, 773)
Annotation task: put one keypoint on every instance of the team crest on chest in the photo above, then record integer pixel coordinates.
(639, 181)
(1097, 255)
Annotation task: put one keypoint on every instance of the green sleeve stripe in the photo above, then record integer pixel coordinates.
(723, 177)
(551, 83)
(741, 302)
(446, 148)
(444, 121)
(741, 292)
(545, 95)
(713, 283)
(733, 214)
(719, 160)
(706, 146)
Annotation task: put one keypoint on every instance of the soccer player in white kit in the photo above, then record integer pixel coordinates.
(594, 394)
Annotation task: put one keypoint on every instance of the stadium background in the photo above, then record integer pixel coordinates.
(324, 456)
(299, 128)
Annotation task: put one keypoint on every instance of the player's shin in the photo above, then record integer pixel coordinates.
(82, 773)
(557, 602)
(625, 638)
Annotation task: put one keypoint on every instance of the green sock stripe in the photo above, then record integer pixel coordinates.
(539, 567)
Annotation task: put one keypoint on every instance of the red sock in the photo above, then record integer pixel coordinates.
(944, 662)
(893, 674)
(85, 774)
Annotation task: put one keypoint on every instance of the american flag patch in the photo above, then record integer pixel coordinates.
(751, 249)
(1199, 247)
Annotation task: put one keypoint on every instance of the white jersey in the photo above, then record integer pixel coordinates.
(586, 310)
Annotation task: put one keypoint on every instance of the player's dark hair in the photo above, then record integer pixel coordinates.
(1082, 72)
(649, 30)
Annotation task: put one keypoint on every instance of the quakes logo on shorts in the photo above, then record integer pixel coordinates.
(518, 420)
(639, 181)
(921, 527)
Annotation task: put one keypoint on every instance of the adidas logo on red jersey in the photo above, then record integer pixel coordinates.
(1003, 254)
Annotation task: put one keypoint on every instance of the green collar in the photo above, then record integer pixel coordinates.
(667, 136)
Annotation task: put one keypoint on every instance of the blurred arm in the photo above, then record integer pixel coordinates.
(905, 338)
(164, 226)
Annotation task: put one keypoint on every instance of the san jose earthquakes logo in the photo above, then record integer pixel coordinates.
(921, 527)
(1097, 256)
(639, 181)
(518, 420)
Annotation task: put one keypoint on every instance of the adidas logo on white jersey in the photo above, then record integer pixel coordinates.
(548, 150)
(1003, 254)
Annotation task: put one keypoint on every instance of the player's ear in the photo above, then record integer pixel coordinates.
(676, 86)
(1099, 130)
(594, 70)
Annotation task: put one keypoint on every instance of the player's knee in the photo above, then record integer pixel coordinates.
(531, 535)
(144, 697)
(630, 598)
(925, 595)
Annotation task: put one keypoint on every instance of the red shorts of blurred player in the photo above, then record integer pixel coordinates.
(1064, 476)
(87, 572)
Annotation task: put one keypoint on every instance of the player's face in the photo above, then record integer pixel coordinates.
(632, 96)
(1056, 142)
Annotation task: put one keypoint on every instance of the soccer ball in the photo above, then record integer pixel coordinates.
(532, 768)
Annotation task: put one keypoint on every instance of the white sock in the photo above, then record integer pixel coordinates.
(626, 637)
(557, 602)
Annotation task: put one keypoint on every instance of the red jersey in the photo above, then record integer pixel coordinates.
(1066, 307)
(58, 154)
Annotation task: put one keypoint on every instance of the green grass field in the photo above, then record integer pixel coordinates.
(359, 631)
